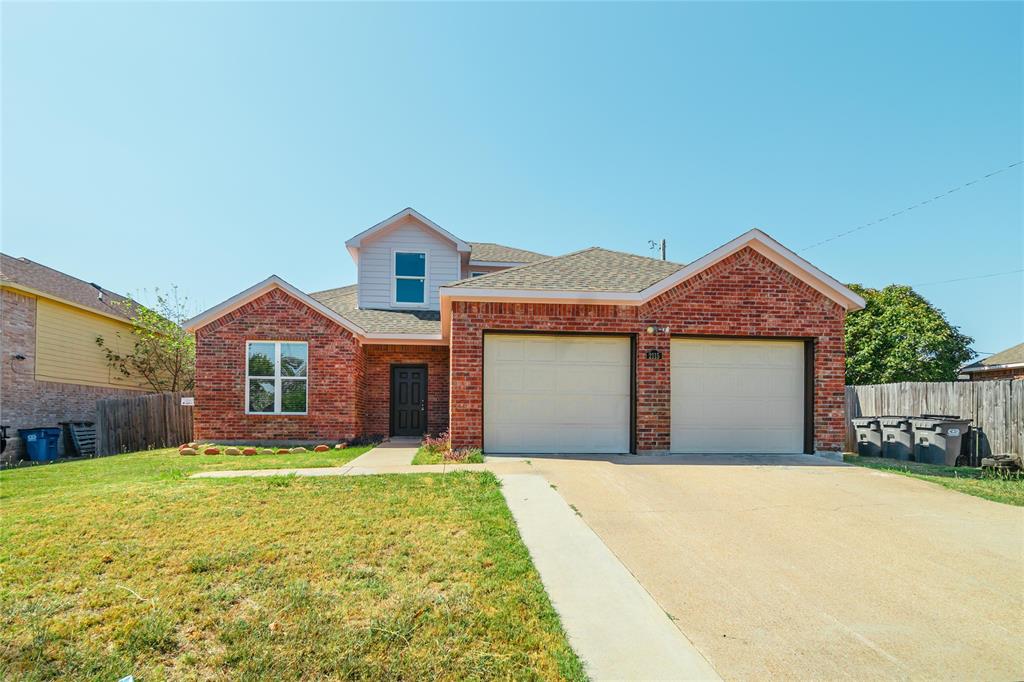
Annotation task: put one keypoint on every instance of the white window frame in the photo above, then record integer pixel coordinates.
(276, 378)
(395, 277)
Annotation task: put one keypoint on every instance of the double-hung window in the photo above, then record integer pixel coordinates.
(410, 278)
(276, 376)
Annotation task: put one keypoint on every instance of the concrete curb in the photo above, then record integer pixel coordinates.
(613, 623)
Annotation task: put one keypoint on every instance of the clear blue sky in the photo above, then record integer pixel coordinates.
(210, 145)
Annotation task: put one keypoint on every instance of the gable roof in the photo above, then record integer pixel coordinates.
(488, 252)
(334, 305)
(356, 241)
(594, 270)
(37, 278)
(344, 301)
(1011, 357)
(581, 276)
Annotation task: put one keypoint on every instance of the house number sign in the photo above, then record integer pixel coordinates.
(654, 354)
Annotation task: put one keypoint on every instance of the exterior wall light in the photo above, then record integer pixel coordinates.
(656, 329)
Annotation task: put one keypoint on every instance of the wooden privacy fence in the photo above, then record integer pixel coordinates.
(157, 420)
(996, 409)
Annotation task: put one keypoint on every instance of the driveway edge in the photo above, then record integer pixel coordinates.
(612, 622)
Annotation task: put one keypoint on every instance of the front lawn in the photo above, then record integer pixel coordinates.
(122, 565)
(1007, 488)
(169, 461)
(427, 455)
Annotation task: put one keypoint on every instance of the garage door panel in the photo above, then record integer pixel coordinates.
(737, 395)
(556, 394)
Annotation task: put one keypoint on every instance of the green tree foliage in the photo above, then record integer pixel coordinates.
(163, 354)
(900, 336)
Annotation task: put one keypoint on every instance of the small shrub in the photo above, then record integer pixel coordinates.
(440, 444)
(466, 455)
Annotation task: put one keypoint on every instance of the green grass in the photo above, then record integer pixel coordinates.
(122, 565)
(136, 463)
(1007, 488)
(425, 456)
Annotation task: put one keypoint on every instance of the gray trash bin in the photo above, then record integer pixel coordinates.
(869, 436)
(897, 437)
(937, 439)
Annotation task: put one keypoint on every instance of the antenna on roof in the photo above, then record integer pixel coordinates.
(655, 245)
(98, 288)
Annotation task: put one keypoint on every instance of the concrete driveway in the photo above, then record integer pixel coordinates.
(799, 568)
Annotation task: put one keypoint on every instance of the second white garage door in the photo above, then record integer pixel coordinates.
(737, 396)
(556, 394)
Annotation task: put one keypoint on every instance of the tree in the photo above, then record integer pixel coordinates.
(900, 336)
(163, 354)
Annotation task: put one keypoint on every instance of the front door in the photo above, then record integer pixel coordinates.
(408, 400)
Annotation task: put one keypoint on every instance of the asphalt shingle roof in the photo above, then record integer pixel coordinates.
(343, 301)
(1007, 357)
(486, 251)
(54, 282)
(593, 269)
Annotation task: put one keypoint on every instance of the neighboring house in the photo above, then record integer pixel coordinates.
(52, 369)
(592, 352)
(1007, 364)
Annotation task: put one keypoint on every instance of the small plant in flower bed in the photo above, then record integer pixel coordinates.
(438, 449)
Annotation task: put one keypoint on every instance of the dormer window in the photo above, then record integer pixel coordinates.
(410, 278)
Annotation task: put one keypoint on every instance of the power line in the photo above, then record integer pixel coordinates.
(964, 279)
(911, 208)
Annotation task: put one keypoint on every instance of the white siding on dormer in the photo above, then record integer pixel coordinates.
(376, 266)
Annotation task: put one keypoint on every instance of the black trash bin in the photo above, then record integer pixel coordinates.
(869, 436)
(897, 437)
(937, 438)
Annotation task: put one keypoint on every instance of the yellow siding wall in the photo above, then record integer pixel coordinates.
(66, 349)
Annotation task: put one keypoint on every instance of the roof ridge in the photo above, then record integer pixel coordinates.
(333, 289)
(64, 274)
(517, 268)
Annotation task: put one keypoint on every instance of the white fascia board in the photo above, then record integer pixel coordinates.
(756, 239)
(356, 241)
(494, 263)
(777, 253)
(992, 368)
(257, 290)
(405, 339)
(539, 296)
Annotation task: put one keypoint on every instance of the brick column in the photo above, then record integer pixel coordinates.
(466, 396)
(654, 393)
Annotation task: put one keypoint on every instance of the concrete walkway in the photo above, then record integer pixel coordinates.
(395, 452)
(613, 624)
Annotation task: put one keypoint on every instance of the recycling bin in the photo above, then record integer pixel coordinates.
(40, 444)
(937, 439)
(897, 437)
(869, 436)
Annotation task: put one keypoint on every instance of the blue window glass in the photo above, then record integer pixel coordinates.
(409, 290)
(410, 265)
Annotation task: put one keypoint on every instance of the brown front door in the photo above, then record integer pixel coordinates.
(408, 400)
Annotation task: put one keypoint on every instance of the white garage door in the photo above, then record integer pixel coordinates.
(737, 396)
(556, 394)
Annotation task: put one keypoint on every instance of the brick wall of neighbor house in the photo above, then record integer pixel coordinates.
(1008, 373)
(334, 404)
(743, 295)
(379, 360)
(25, 402)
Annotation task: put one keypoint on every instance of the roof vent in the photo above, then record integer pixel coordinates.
(98, 288)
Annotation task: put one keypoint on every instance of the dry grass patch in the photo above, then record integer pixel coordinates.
(122, 566)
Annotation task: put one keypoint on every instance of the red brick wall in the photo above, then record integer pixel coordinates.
(379, 360)
(24, 402)
(1009, 373)
(334, 403)
(744, 295)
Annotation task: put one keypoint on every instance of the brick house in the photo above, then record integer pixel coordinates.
(1007, 364)
(595, 351)
(52, 369)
